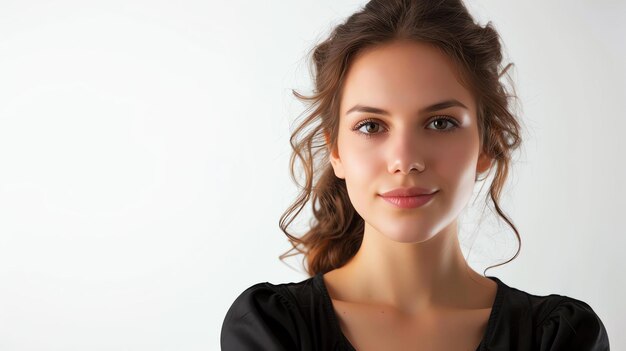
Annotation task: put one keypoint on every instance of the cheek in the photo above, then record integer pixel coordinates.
(359, 159)
(455, 162)
(361, 166)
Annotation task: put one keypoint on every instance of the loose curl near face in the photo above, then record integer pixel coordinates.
(336, 229)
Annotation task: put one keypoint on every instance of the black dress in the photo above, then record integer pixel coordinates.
(300, 316)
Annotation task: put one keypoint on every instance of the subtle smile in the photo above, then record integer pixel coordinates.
(409, 201)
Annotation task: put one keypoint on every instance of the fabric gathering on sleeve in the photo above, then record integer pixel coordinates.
(572, 325)
(260, 318)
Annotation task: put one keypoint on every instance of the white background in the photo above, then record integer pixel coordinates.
(144, 162)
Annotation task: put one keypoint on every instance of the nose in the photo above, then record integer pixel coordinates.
(405, 153)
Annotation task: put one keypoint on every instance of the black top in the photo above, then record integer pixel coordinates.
(300, 316)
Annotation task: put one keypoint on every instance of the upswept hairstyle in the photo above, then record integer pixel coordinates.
(336, 229)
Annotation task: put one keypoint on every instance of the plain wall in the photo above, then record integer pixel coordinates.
(144, 150)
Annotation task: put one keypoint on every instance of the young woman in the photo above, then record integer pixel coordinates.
(409, 112)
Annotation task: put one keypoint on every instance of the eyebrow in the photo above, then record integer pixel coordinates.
(435, 107)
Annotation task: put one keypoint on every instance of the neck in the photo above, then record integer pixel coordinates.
(413, 277)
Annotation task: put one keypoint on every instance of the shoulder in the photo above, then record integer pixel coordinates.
(258, 298)
(290, 297)
(263, 316)
(572, 324)
(557, 322)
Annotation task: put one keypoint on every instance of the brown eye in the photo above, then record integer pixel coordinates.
(442, 122)
(368, 128)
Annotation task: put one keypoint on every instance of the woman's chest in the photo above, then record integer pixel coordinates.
(369, 328)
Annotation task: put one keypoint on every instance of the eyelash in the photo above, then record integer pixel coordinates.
(454, 123)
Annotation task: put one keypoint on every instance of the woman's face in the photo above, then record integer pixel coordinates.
(376, 150)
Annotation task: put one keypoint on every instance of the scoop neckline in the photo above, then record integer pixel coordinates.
(334, 321)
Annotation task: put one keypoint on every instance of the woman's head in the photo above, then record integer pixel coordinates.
(400, 56)
(375, 151)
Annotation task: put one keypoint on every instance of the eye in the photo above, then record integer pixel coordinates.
(371, 126)
(368, 123)
(446, 120)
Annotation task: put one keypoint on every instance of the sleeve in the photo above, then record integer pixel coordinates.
(572, 325)
(260, 318)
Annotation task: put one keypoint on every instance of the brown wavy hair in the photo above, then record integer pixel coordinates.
(336, 229)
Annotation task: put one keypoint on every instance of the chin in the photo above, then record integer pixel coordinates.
(409, 235)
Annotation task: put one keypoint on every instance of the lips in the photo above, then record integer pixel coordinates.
(408, 198)
(406, 192)
(409, 202)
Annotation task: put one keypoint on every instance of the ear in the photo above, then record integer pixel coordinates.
(483, 164)
(335, 161)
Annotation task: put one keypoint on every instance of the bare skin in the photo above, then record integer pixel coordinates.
(409, 286)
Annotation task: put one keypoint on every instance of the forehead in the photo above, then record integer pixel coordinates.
(404, 74)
